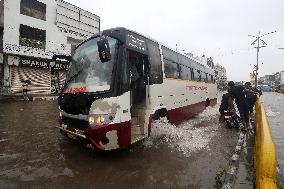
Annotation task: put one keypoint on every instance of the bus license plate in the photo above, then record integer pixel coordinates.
(71, 136)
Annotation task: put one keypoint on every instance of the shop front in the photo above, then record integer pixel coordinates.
(40, 75)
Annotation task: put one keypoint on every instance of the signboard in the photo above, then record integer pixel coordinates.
(252, 78)
(42, 63)
(136, 42)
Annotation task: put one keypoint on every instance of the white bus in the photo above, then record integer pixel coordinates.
(119, 81)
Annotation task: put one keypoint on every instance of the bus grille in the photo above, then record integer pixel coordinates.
(75, 123)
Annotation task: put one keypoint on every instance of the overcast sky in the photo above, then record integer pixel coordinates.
(217, 29)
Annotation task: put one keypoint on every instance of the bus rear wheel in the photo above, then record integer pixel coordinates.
(161, 114)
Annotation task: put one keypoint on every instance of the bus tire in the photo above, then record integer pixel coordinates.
(207, 102)
(160, 113)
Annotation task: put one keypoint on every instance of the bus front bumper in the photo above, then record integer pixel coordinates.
(103, 137)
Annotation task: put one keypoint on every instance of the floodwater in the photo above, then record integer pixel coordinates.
(33, 154)
(274, 107)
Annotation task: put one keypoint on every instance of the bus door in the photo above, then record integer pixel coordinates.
(139, 74)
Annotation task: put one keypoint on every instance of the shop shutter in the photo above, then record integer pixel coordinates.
(39, 78)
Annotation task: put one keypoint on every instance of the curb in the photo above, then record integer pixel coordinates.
(231, 174)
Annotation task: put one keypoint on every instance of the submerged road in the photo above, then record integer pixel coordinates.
(33, 154)
(274, 107)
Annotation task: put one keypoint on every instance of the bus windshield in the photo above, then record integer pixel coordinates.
(87, 73)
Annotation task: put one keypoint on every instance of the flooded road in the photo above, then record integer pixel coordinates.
(33, 154)
(274, 107)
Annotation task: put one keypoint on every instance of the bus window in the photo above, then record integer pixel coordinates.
(198, 78)
(196, 75)
(191, 74)
(203, 76)
(209, 78)
(212, 78)
(171, 69)
(185, 73)
(184, 60)
(169, 54)
(155, 62)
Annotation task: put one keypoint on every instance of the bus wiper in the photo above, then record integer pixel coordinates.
(70, 79)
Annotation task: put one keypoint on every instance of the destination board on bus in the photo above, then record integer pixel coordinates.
(136, 42)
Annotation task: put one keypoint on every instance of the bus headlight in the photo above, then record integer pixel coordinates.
(101, 119)
(91, 120)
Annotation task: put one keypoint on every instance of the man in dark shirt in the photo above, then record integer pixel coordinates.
(251, 97)
(237, 93)
(224, 103)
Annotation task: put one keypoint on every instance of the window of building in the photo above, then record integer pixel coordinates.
(33, 8)
(32, 37)
(74, 43)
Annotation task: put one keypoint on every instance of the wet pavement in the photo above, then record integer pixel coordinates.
(33, 154)
(246, 173)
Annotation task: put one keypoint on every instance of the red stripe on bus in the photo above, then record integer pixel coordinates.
(178, 115)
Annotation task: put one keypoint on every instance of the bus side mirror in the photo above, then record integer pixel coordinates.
(103, 49)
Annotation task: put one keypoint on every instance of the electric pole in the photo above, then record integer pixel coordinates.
(264, 44)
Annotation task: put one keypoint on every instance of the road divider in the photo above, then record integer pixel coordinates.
(265, 152)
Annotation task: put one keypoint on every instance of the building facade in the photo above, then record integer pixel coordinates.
(221, 77)
(35, 30)
(272, 80)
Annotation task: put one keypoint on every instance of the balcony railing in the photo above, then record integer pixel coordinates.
(32, 43)
(35, 52)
